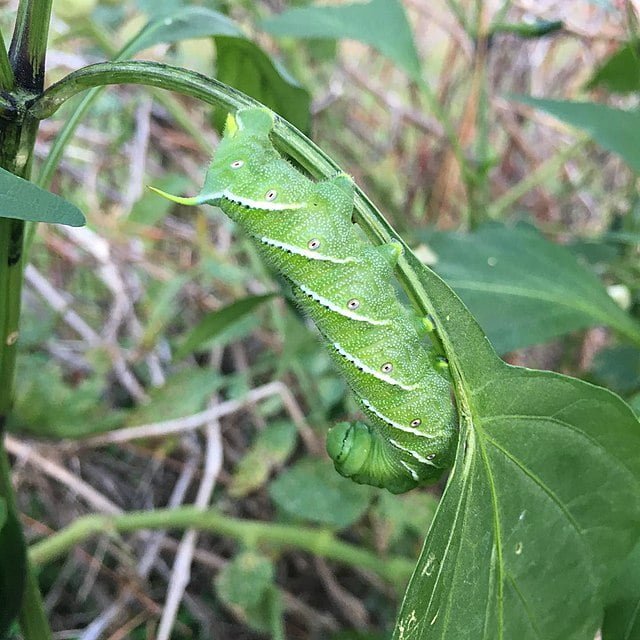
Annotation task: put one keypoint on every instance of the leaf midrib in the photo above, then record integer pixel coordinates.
(496, 531)
(462, 499)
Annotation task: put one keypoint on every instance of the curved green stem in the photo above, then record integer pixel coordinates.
(286, 137)
(321, 542)
(52, 160)
(152, 74)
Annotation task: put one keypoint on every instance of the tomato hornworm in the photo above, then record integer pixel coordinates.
(344, 284)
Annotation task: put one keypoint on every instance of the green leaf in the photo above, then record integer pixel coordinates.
(23, 200)
(382, 24)
(49, 406)
(242, 64)
(634, 403)
(182, 24)
(522, 288)
(400, 515)
(216, 322)
(246, 586)
(270, 449)
(161, 307)
(618, 368)
(620, 72)
(542, 505)
(616, 130)
(312, 490)
(622, 615)
(13, 570)
(184, 393)
(357, 635)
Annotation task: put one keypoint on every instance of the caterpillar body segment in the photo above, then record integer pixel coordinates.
(344, 284)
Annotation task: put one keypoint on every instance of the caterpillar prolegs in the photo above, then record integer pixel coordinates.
(344, 284)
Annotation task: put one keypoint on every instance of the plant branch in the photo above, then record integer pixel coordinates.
(22, 71)
(286, 138)
(29, 43)
(321, 542)
(177, 111)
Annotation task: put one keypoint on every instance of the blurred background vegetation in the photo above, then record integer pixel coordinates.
(164, 319)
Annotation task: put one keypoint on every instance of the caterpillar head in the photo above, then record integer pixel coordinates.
(247, 171)
(242, 154)
(362, 455)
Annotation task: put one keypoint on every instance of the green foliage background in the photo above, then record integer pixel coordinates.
(155, 314)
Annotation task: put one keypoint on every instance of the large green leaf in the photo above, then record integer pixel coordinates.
(620, 72)
(541, 508)
(12, 568)
(622, 615)
(381, 24)
(23, 200)
(239, 62)
(182, 24)
(522, 288)
(245, 66)
(616, 130)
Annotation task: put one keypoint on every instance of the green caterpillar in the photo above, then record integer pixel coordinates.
(344, 284)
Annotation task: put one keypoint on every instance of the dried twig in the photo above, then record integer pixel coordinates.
(181, 572)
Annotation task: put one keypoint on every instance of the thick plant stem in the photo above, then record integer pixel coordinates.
(33, 619)
(317, 541)
(10, 289)
(29, 44)
(26, 59)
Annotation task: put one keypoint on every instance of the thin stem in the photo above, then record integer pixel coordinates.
(543, 172)
(33, 620)
(176, 110)
(152, 74)
(276, 618)
(317, 541)
(6, 72)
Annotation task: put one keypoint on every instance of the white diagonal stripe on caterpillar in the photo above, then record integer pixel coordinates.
(374, 372)
(334, 307)
(413, 473)
(312, 255)
(266, 205)
(414, 454)
(392, 423)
